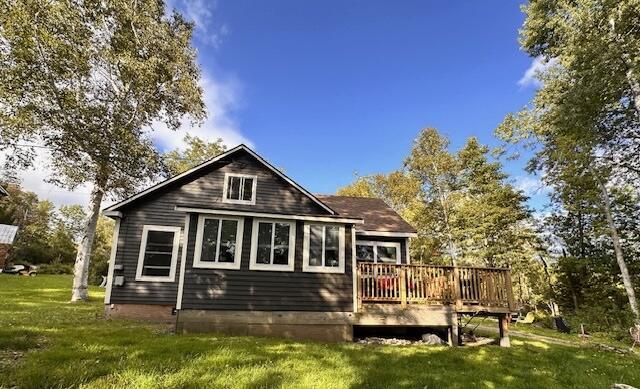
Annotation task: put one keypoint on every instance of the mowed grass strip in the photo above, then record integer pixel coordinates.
(47, 342)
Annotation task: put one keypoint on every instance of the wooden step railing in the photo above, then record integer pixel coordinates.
(462, 286)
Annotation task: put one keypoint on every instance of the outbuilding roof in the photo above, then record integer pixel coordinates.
(377, 215)
(7, 233)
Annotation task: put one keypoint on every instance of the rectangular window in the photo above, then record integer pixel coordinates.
(239, 188)
(272, 245)
(158, 253)
(218, 242)
(323, 249)
(378, 252)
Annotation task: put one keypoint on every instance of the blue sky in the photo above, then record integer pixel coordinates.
(326, 89)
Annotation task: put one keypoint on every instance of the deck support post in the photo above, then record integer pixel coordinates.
(454, 332)
(503, 322)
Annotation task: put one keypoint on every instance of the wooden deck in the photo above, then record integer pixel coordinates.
(464, 289)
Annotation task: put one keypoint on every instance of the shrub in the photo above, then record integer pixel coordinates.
(55, 268)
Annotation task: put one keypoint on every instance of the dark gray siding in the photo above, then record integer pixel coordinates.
(273, 195)
(402, 241)
(158, 211)
(246, 289)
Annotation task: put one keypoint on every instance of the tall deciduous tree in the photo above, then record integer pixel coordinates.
(86, 80)
(586, 116)
(197, 151)
(436, 168)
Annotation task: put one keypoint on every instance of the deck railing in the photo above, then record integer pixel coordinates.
(462, 286)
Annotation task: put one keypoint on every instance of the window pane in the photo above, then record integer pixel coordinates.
(387, 254)
(264, 243)
(331, 247)
(209, 240)
(160, 241)
(158, 252)
(315, 246)
(364, 253)
(281, 244)
(233, 191)
(228, 241)
(156, 265)
(248, 189)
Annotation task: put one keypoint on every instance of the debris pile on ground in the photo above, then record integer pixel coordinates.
(433, 340)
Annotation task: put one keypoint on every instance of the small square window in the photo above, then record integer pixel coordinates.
(239, 189)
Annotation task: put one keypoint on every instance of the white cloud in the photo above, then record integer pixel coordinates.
(531, 186)
(34, 180)
(538, 65)
(221, 99)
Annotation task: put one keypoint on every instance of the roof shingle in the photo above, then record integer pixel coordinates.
(377, 215)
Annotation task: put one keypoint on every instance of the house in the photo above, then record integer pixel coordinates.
(235, 245)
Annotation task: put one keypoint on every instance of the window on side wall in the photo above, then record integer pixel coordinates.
(378, 252)
(323, 250)
(272, 245)
(218, 242)
(239, 189)
(158, 253)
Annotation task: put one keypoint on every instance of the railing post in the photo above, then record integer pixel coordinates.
(359, 283)
(457, 292)
(509, 286)
(403, 286)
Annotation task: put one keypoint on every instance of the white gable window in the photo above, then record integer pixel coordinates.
(218, 242)
(158, 253)
(378, 252)
(272, 245)
(323, 249)
(239, 188)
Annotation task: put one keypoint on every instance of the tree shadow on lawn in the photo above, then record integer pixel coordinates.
(107, 355)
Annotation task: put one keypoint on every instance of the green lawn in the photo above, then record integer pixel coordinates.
(47, 342)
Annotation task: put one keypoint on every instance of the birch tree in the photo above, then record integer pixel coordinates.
(85, 80)
(436, 168)
(586, 115)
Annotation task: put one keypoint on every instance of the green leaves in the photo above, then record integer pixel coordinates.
(197, 152)
(88, 79)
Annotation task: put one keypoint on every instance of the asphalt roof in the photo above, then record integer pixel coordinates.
(7, 233)
(377, 215)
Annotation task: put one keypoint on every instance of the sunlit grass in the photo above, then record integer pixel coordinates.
(47, 342)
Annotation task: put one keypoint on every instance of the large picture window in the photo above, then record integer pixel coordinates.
(323, 249)
(239, 189)
(272, 245)
(158, 253)
(378, 252)
(218, 242)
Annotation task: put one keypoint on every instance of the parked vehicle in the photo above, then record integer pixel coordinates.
(24, 270)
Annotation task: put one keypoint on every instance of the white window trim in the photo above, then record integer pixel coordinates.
(237, 260)
(306, 267)
(225, 189)
(376, 243)
(290, 266)
(174, 254)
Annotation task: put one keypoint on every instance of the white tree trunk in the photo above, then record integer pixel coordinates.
(83, 257)
(624, 271)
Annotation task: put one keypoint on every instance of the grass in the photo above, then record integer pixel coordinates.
(47, 342)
